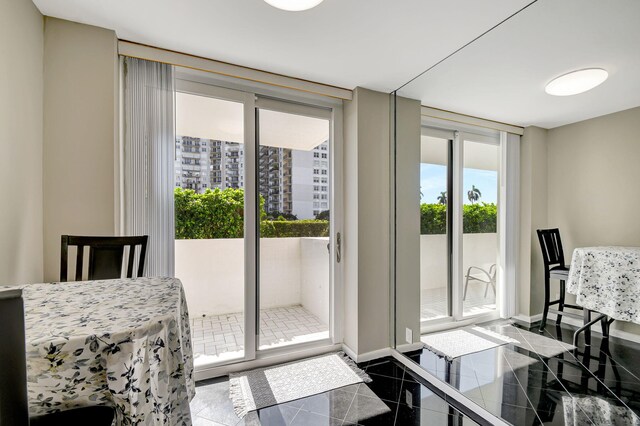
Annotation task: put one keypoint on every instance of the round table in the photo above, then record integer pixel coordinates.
(124, 343)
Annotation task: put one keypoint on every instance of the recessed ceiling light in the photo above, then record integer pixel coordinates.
(294, 5)
(576, 82)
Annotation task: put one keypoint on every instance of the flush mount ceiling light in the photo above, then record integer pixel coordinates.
(294, 5)
(576, 82)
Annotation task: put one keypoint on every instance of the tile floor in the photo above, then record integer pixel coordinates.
(218, 335)
(394, 397)
(433, 302)
(541, 382)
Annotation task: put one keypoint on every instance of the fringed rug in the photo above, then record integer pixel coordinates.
(263, 387)
(453, 344)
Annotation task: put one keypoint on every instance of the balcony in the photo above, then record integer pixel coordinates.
(294, 293)
(479, 249)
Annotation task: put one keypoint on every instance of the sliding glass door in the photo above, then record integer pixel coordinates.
(480, 240)
(253, 193)
(294, 185)
(435, 221)
(459, 235)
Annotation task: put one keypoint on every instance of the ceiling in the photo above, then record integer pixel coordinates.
(502, 75)
(381, 44)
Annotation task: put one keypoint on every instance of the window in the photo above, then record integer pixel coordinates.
(324, 188)
(323, 196)
(316, 155)
(316, 180)
(324, 155)
(317, 171)
(324, 180)
(316, 188)
(324, 172)
(316, 196)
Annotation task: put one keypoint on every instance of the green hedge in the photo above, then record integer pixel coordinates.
(476, 218)
(295, 228)
(219, 213)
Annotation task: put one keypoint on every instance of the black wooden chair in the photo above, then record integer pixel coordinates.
(106, 256)
(13, 376)
(554, 268)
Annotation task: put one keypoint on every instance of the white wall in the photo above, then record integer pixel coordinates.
(366, 230)
(314, 277)
(533, 215)
(292, 271)
(80, 131)
(477, 250)
(593, 174)
(407, 220)
(21, 87)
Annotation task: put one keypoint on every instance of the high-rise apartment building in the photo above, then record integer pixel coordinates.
(290, 181)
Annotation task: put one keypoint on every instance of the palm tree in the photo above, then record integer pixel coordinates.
(442, 198)
(474, 194)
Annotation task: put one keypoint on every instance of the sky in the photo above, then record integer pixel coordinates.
(433, 181)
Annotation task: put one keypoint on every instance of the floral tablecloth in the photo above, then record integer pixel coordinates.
(607, 280)
(124, 343)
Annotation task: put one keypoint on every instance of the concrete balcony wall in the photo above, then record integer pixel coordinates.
(478, 250)
(293, 271)
(314, 276)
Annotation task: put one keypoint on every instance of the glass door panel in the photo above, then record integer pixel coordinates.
(209, 222)
(294, 187)
(480, 255)
(435, 243)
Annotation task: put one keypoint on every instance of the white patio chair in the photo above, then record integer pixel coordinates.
(476, 273)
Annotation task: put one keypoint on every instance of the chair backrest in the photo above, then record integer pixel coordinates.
(106, 256)
(551, 246)
(13, 365)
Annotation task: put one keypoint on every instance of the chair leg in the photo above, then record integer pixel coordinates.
(545, 312)
(606, 326)
(466, 284)
(587, 332)
(486, 290)
(561, 302)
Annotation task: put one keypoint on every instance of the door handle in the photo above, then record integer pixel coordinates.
(338, 247)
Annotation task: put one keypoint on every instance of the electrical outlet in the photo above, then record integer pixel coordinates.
(409, 335)
(409, 398)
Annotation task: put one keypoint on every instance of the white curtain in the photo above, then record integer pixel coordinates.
(147, 152)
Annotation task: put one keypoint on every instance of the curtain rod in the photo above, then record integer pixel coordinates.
(142, 51)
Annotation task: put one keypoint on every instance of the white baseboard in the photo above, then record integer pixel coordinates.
(367, 356)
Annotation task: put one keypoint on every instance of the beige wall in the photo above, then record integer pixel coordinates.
(593, 170)
(80, 130)
(533, 215)
(21, 45)
(407, 267)
(366, 240)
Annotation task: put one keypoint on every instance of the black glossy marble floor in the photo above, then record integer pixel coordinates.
(394, 397)
(540, 381)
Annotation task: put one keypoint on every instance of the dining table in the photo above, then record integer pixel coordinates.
(124, 343)
(606, 280)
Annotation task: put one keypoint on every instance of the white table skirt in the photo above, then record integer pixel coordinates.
(607, 280)
(124, 343)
